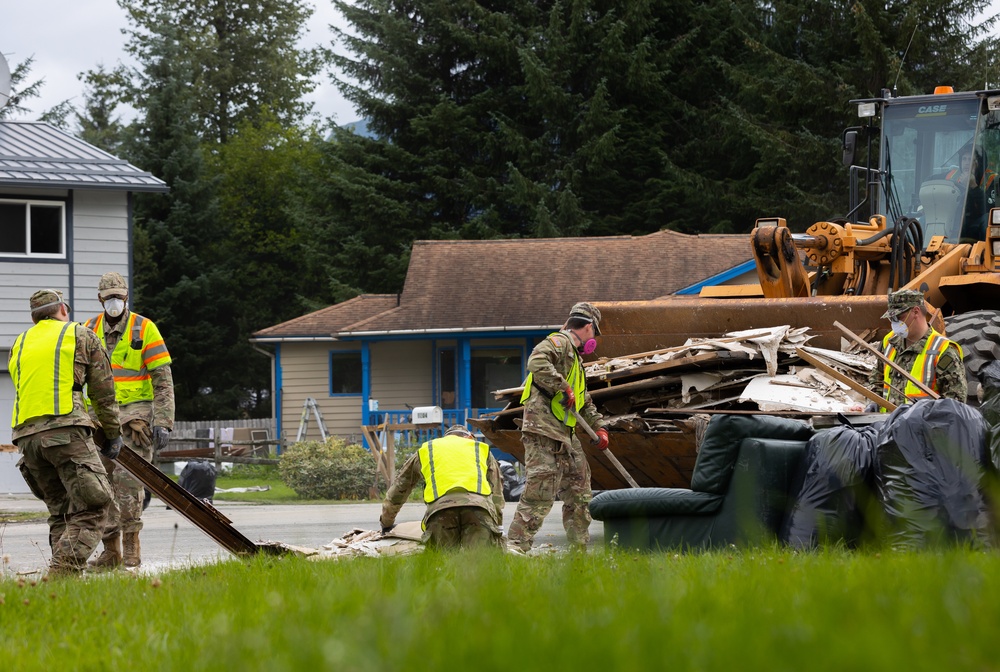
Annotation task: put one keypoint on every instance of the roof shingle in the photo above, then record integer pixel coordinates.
(504, 284)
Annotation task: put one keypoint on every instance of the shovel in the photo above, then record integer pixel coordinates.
(606, 451)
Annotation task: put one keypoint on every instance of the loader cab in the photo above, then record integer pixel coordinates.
(938, 159)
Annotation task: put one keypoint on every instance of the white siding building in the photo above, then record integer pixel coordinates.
(65, 219)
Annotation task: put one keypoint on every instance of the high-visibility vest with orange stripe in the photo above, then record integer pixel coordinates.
(140, 350)
(41, 366)
(924, 366)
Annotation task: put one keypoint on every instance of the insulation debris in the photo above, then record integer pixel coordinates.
(657, 403)
(751, 370)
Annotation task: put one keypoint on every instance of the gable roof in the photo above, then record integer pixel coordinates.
(528, 283)
(35, 154)
(321, 324)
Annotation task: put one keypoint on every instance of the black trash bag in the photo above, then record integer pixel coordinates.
(930, 469)
(198, 478)
(989, 376)
(513, 484)
(834, 482)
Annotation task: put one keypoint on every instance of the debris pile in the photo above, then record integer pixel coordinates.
(758, 370)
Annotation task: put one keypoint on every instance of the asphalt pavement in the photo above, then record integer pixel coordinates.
(168, 540)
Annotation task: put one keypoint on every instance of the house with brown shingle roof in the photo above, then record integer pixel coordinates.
(468, 316)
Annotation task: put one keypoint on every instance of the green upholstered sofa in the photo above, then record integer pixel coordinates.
(740, 490)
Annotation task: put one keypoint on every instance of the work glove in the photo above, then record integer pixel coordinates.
(871, 407)
(386, 529)
(139, 432)
(112, 448)
(569, 399)
(602, 439)
(160, 437)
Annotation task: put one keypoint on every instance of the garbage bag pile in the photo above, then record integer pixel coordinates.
(919, 478)
(198, 477)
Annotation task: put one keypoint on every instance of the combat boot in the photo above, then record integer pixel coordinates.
(131, 541)
(111, 557)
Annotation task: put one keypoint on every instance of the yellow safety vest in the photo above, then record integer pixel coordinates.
(133, 358)
(454, 462)
(41, 366)
(576, 379)
(924, 366)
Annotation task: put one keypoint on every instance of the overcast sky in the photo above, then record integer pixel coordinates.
(68, 37)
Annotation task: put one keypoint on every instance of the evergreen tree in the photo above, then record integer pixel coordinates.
(179, 280)
(240, 58)
(208, 71)
(21, 92)
(97, 123)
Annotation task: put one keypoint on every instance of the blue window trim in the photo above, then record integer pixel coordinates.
(366, 382)
(279, 392)
(436, 380)
(329, 373)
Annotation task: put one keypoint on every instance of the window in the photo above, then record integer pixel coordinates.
(32, 228)
(446, 378)
(494, 369)
(345, 373)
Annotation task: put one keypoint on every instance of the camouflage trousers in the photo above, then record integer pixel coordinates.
(462, 527)
(125, 514)
(552, 468)
(63, 468)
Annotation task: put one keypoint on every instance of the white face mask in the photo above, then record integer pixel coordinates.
(899, 328)
(114, 307)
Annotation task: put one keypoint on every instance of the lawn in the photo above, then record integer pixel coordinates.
(768, 609)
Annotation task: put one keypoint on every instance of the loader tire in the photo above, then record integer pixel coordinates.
(978, 332)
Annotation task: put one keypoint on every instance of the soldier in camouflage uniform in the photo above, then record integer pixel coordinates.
(916, 347)
(462, 489)
(144, 387)
(555, 463)
(49, 365)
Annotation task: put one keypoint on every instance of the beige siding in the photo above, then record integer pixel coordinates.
(402, 372)
(305, 372)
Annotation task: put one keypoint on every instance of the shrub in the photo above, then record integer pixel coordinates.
(327, 470)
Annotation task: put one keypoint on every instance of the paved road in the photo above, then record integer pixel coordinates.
(169, 540)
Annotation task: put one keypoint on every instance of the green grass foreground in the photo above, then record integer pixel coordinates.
(750, 610)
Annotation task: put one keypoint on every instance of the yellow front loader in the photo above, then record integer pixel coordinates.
(921, 216)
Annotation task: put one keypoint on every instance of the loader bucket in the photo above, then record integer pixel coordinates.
(630, 327)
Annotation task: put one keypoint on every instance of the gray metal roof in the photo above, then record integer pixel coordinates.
(35, 154)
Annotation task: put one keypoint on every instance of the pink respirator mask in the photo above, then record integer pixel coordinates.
(590, 346)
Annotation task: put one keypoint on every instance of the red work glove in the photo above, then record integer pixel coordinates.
(569, 399)
(602, 439)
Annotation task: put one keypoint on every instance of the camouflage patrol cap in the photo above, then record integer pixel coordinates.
(458, 430)
(44, 298)
(112, 284)
(588, 313)
(902, 301)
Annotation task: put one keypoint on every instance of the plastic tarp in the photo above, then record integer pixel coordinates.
(925, 468)
(990, 408)
(930, 468)
(837, 471)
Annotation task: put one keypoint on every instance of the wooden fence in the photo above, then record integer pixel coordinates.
(244, 441)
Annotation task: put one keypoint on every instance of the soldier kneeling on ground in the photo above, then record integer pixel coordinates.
(462, 489)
